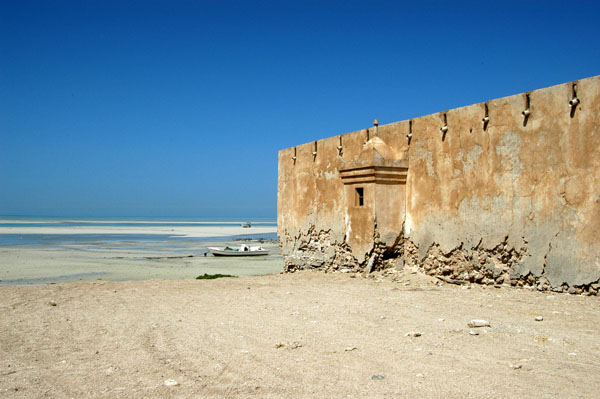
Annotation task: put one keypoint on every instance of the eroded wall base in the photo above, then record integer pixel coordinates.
(317, 250)
(491, 266)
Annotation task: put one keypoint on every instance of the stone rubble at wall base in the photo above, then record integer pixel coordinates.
(315, 250)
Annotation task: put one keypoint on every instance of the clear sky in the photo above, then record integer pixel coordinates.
(178, 108)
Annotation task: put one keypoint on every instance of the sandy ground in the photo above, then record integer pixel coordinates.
(303, 335)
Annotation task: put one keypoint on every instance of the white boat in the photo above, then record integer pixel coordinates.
(243, 250)
(246, 225)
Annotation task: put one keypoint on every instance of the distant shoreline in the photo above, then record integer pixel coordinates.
(197, 229)
(34, 220)
(141, 218)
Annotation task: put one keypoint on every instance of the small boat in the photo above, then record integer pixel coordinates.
(243, 250)
(246, 224)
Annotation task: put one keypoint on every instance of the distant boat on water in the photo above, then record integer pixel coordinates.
(246, 224)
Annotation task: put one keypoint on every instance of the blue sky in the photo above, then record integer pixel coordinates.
(178, 108)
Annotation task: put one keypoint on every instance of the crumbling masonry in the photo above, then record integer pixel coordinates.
(506, 191)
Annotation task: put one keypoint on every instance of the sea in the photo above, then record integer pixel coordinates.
(28, 225)
(36, 250)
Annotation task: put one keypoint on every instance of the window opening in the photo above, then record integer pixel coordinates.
(360, 196)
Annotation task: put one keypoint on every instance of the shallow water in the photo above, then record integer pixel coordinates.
(173, 241)
(33, 259)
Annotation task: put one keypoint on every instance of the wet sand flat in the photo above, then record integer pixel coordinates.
(127, 260)
(42, 252)
(175, 229)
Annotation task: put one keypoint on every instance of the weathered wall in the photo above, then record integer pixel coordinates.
(512, 200)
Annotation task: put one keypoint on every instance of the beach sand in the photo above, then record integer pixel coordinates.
(302, 335)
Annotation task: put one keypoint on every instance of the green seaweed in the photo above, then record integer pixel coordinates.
(206, 276)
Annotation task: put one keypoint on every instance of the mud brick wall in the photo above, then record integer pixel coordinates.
(506, 191)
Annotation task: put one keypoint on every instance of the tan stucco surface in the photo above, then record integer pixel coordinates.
(509, 200)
